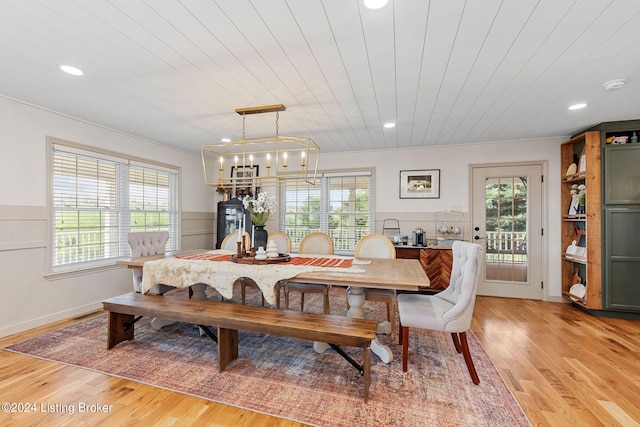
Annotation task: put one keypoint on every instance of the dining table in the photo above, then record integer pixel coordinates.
(398, 274)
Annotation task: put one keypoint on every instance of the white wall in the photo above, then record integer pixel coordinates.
(454, 162)
(29, 297)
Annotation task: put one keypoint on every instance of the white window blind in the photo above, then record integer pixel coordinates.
(153, 201)
(98, 200)
(340, 204)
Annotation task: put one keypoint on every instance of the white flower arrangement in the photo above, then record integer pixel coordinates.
(578, 197)
(260, 207)
(579, 191)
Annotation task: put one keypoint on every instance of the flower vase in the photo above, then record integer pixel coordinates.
(260, 236)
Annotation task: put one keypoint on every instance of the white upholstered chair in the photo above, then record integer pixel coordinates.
(450, 310)
(230, 243)
(316, 244)
(145, 244)
(282, 241)
(379, 246)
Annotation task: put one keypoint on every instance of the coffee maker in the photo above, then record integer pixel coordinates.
(418, 237)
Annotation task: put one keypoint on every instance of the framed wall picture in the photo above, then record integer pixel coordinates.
(420, 184)
(243, 180)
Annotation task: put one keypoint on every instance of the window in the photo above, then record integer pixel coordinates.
(98, 199)
(340, 204)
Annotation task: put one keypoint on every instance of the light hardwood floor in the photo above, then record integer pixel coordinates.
(564, 366)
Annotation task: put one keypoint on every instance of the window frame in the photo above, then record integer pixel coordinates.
(124, 226)
(322, 182)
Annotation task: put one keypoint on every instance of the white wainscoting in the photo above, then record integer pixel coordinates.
(31, 300)
(23, 227)
(197, 229)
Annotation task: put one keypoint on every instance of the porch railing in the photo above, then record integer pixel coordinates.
(73, 247)
(506, 246)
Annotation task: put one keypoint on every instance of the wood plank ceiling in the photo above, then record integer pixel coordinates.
(447, 72)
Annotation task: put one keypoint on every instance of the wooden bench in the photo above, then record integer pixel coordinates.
(230, 318)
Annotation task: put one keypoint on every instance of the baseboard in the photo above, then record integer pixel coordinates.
(554, 298)
(45, 320)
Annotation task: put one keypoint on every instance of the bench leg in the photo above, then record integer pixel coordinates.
(227, 347)
(120, 328)
(367, 372)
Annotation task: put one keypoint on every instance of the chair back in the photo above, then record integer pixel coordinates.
(375, 246)
(230, 240)
(147, 243)
(282, 241)
(463, 286)
(316, 243)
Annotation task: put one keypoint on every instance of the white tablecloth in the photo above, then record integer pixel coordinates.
(221, 275)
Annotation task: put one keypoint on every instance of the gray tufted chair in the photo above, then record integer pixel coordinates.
(145, 244)
(449, 311)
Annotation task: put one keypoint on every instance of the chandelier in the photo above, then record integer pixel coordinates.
(263, 161)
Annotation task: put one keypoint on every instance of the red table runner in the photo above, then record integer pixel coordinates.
(313, 261)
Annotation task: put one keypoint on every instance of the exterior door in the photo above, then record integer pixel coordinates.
(507, 219)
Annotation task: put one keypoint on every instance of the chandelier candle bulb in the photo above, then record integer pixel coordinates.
(284, 155)
(302, 155)
(221, 163)
(268, 160)
(251, 161)
(235, 159)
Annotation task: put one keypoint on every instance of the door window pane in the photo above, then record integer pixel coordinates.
(506, 225)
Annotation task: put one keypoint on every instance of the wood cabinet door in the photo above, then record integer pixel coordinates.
(437, 264)
(404, 252)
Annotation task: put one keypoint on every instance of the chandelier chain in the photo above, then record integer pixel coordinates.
(277, 123)
(243, 120)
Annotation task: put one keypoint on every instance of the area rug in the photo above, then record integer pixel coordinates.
(288, 379)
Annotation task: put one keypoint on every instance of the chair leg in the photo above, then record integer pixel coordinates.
(404, 331)
(400, 335)
(467, 358)
(392, 319)
(326, 301)
(456, 342)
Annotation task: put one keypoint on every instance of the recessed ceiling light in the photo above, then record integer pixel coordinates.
(71, 70)
(577, 106)
(375, 4)
(226, 140)
(614, 84)
(389, 125)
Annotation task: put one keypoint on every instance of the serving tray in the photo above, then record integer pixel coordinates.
(251, 260)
